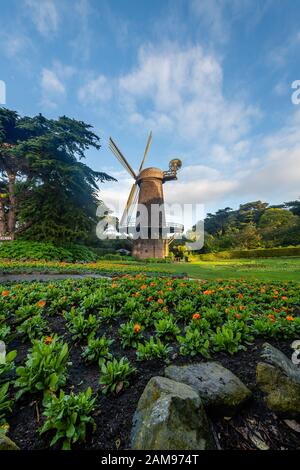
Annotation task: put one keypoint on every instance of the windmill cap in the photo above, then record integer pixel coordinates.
(151, 173)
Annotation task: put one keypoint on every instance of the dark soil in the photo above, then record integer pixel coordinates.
(113, 414)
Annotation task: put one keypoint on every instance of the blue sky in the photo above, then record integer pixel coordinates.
(211, 79)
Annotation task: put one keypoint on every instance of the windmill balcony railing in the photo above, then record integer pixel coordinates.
(167, 228)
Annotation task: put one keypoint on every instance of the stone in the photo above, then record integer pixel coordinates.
(279, 379)
(170, 416)
(220, 390)
(6, 443)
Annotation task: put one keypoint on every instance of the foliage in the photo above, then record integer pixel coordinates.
(45, 368)
(193, 343)
(7, 366)
(50, 192)
(97, 350)
(69, 416)
(227, 339)
(29, 250)
(5, 402)
(33, 327)
(114, 375)
(166, 328)
(152, 349)
(80, 326)
(130, 334)
(4, 332)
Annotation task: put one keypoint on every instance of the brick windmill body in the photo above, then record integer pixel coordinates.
(150, 229)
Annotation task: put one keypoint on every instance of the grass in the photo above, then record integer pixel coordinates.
(264, 269)
(268, 269)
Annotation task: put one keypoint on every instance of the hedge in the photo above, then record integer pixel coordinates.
(257, 253)
(26, 250)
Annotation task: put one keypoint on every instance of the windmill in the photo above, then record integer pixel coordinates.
(150, 226)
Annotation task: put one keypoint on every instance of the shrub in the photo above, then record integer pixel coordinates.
(97, 349)
(115, 375)
(194, 342)
(69, 416)
(152, 349)
(27, 250)
(45, 367)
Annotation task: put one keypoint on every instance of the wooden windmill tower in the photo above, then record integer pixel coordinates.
(150, 227)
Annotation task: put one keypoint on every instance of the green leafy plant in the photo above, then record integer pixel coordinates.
(115, 375)
(97, 349)
(5, 402)
(228, 340)
(166, 328)
(80, 326)
(184, 309)
(33, 327)
(194, 342)
(69, 416)
(7, 364)
(130, 334)
(45, 368)
(4, 332)
(152, 349)
(107, 314)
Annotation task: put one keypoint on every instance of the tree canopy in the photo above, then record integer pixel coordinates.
(47, 192)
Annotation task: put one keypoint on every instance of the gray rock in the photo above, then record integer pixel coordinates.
(279, 378)
(170, 416)
(6, 443)
(219, 389)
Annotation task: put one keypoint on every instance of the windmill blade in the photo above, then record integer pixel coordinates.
(132, 194)
(121, 157)
(146, 151)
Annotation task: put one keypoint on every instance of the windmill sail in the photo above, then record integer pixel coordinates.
(121, 157)
(146, 151)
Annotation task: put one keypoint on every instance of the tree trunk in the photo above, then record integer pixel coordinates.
(11, 219)
(3, 227)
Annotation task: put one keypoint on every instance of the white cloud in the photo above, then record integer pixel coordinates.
(52, 88)
(44, 15)
(95, 90)
(180, 90)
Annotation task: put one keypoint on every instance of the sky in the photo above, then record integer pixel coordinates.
(212, 79)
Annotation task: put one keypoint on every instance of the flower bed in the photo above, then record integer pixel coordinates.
(86, 348)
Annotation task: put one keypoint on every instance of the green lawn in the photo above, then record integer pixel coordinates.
(268, 269)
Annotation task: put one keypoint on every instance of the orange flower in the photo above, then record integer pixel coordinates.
(207, 292)
(238, 316)
(152, 284)
(242, 307)
(160, 292)
(160, 301)
(136, 294)
(169, 283)
(41, 303)
(196, 316)
(290, 318)
(137, 328)
(272, 318)
(143, 287)
(114, 285)
(226, 310)
(240, 296)
(284, 297)
(169, 288)
(48, 340)
(5, 293)
(262, 291)
(150, 298)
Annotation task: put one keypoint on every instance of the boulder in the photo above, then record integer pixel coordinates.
(279, 378)
(6, 443)
(170, 416)
(220, 390)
